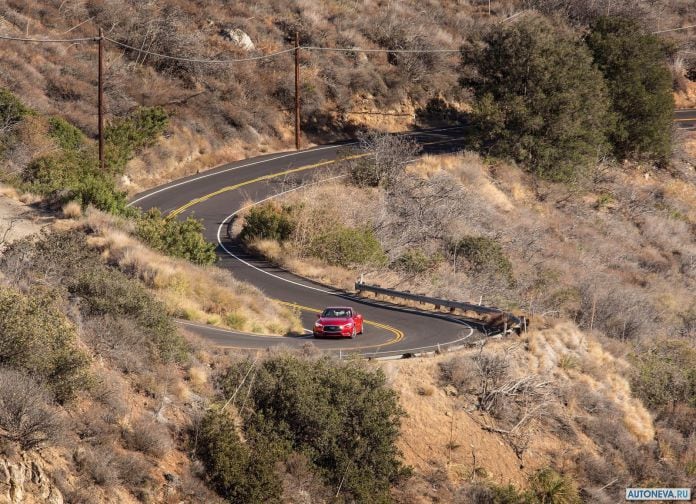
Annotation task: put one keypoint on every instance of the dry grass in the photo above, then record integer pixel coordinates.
(469, 169)
(621, 242)
(351, 207)
(200, 294)
(308, 267)
(72, 210)
(445, 430)
(686, 98)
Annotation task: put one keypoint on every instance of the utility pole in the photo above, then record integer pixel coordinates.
(297, 91)
(100, 98)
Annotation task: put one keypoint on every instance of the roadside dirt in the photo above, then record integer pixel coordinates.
(18, 219)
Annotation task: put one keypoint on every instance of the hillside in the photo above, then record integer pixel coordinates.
(569, 198)
(222, 112)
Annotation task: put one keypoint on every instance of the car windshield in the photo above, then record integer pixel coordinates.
(336, 313)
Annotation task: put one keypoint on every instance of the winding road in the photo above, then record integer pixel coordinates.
(216, 195)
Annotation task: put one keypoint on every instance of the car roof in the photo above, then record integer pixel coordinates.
(338, 308)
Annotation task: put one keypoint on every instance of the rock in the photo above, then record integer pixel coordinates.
(239, 38)
(23, 480)
(171, 478)
(451, 391)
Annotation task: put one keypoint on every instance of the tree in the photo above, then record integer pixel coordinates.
(640, 86)
(233, 470)
(539, 99)
(341, 416)
(386, 158)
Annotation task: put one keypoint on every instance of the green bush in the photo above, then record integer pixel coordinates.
(38, 339)
(413, 262)
(364, 172)
(12, 109)
(64, 261)
(107, 291)
(268, 221)
(484, 254)
(665, 374)
(640, 86)
(546, 486)
(66, 135)
(344, 246)
(74, 176)
(233, 470)
(174, 237)
(539, 98)
(341, 416)
(124, 137)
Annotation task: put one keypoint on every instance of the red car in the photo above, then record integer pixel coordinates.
(339, 321)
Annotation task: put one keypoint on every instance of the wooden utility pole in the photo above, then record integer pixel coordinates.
(100, 98)
(297, 91)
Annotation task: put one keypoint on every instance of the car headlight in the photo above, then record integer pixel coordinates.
(348, 325)
(318, 325)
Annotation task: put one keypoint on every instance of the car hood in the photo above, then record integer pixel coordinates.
(334, 321)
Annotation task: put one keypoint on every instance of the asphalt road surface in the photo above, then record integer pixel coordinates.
(685, 118)
(216, 195)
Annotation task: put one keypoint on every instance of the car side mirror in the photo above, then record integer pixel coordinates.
(318, 315)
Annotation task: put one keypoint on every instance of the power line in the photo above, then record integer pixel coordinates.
(24, 39)
(238, 60)
(358, 49)
(198, 60)
(675, 29)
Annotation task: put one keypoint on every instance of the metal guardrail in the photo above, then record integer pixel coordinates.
(509, 320)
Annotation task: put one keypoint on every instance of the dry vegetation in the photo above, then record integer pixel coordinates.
(204, 294)
(554, 398)
(571, 249)
(111, 394)
(612, 254)
(98, 389)
(224, 112)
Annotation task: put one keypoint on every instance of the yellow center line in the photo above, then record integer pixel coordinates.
(398, 335)
(270, 176)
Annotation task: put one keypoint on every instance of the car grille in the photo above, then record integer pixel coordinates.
(332, 328)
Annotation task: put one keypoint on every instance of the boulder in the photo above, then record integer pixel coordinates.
(238, 37)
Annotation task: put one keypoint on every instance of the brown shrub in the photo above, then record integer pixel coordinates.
(149, 437)
(26, 416)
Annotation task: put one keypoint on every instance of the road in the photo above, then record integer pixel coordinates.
(685, 118)
(216, 195)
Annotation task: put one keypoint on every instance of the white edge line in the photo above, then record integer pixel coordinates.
(224, 223)
(218, 172)
(235, 331)
(281, 156)
(278, 277)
